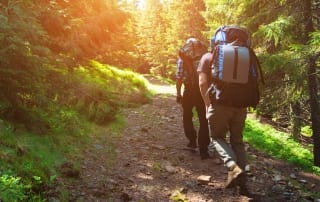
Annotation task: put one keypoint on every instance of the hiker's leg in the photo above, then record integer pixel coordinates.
(236, 135)
(219, 117)
(236, 141)
(188, 127)
(203, 134)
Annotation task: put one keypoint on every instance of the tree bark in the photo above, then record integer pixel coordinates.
(312, 84)
(315, 112)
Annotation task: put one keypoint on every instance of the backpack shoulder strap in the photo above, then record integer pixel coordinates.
(189, 68)
(212, 62)
(258, 64)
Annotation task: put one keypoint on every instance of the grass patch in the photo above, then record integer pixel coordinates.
(279, 145)
(117, 126)
(117, 87)
(108, 137)
(31, 155)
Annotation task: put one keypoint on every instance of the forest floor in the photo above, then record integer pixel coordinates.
(152, 163)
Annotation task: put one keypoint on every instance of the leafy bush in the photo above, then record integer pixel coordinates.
(13, 190)
(43, 129)
(307, 131)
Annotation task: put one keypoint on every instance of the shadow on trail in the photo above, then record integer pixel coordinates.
(153, 163)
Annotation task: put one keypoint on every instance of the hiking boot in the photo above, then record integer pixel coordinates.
(243, 190)
(192, 144)
(233, 176)
(204, 155)
(211, 147)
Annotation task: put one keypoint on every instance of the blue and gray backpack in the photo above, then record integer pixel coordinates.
(235, 68)
(191, 53)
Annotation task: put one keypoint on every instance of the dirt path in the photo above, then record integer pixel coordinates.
(153, 164)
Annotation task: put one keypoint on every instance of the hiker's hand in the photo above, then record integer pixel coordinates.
(209, 111)
(179, 99)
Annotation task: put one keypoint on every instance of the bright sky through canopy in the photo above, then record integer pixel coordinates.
(141, 4)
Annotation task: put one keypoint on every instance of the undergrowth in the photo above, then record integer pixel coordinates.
(279, 145)
(56, 129)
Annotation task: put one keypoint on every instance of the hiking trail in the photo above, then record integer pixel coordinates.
(152, 163)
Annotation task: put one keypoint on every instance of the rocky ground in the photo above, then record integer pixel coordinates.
(152, 163)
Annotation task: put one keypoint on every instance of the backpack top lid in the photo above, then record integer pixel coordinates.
(193, 49)
(190, 40)
(232, 34)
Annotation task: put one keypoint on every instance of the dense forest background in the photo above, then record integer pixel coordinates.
(49, 49)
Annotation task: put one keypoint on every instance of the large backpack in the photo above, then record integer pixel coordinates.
(191, 54)
(235, 68)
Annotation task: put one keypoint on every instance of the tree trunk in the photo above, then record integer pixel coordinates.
(315, 112)
(312, 85)
(295, 119)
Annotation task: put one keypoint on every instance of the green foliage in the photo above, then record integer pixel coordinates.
(277, 31)
(24, 57)
(93, 93)
(223, 12)
(315, 40)
(285, 84)
(177, 196)
(30, 155)
(49, 88)
(162, 28)
(156, 167)
(306, 131)
(104, 88)
(117, 126)
(12, 189)
(63, 119)
(40, 48)
(83, 29)
(278, 144)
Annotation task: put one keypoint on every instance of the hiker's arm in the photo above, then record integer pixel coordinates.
(179, 80)
(178, 87)
(203, 85)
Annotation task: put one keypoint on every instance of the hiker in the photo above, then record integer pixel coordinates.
(226, 109)
(187, 76)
